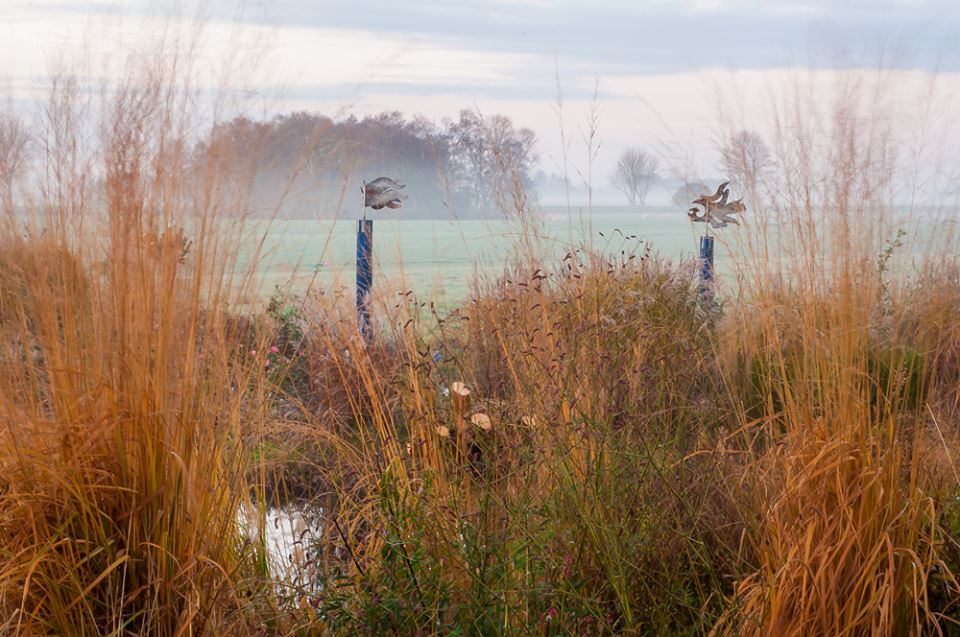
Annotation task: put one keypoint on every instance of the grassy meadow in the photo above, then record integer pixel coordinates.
(583, 447)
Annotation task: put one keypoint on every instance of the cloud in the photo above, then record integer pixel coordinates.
(665, 67)
(655, 36)
(652, 36)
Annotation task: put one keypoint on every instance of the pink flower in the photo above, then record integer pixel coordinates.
(266, 363)
(274, 349)
(253, 352)
(551, 613)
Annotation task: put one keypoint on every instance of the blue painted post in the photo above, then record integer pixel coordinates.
(706, 268)
(364, 274)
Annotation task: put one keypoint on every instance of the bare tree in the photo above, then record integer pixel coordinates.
(636, 172)
(490, 158)
(14, 144)
(746, 159)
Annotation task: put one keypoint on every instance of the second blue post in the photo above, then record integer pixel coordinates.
(364, 274)
(706, 267)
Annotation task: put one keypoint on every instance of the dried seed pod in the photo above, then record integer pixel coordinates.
(482, 420)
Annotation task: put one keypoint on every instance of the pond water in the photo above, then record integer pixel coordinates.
(290, 536)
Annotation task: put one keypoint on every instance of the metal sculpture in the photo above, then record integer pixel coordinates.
(383, 192)
(380, 193)
(717, 212)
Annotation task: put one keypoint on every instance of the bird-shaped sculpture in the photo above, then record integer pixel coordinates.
(717, 211)
(383, 192)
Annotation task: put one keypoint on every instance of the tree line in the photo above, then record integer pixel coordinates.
(471, 164)
(315, 163)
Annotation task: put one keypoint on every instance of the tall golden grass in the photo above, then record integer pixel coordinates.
(128, 401)
(583, 447)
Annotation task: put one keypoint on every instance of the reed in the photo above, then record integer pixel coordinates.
(129, 403)
(582, 447)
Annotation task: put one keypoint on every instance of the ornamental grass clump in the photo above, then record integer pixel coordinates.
(127, 402)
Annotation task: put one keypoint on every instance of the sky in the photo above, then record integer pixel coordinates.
(670, 76)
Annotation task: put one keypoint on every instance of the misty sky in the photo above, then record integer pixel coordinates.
(671, 75)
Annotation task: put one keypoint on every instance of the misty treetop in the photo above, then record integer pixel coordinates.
(316, 163)
(635, 174)
(747, 160)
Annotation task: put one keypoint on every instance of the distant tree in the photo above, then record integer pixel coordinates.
(550, 184)
(745, 159)
(492, 160)
(635, 173)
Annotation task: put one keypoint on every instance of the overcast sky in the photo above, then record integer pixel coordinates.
(670, 73)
